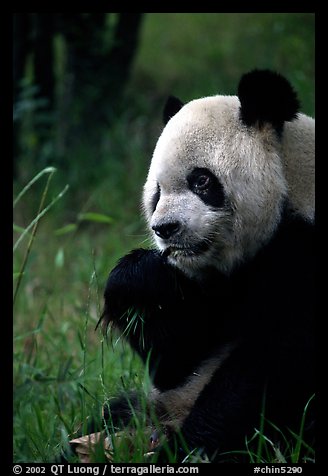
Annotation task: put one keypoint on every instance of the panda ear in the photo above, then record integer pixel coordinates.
(266, 97)
(172, 106)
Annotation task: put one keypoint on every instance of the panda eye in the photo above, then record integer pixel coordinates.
(202, 182)
(207, 187)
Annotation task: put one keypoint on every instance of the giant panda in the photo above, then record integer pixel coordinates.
(225, 299)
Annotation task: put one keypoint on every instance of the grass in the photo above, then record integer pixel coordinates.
(60, 372)
(63, 368)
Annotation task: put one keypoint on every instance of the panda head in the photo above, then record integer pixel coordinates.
(216, 184)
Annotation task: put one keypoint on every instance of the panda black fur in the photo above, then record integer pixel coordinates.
(226, 301)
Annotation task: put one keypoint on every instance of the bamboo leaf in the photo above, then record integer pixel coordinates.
(60, 258)
(66, 229)
(95, 217)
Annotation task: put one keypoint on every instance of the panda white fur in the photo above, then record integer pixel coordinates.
(226, 302)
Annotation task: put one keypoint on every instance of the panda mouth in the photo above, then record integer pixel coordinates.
(196, 249)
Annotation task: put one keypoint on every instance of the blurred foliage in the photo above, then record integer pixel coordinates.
(204, 54)
(185, 54)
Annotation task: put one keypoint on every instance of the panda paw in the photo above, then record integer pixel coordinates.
(140, 281)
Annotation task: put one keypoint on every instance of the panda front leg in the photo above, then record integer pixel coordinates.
(156, 309)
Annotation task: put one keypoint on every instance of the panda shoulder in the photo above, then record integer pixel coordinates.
(298, 144)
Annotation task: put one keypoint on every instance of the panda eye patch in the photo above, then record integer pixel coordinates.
(206, 185)
(155, 198)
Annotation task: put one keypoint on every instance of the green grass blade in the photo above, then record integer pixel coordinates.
(262, 419)
(34, 226)
(299, 437)
(18, 229)
(40, 215)
(47, 170)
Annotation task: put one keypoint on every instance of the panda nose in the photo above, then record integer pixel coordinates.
(166, 230)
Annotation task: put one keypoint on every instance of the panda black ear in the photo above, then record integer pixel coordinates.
(266, 97)
(172, 106)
